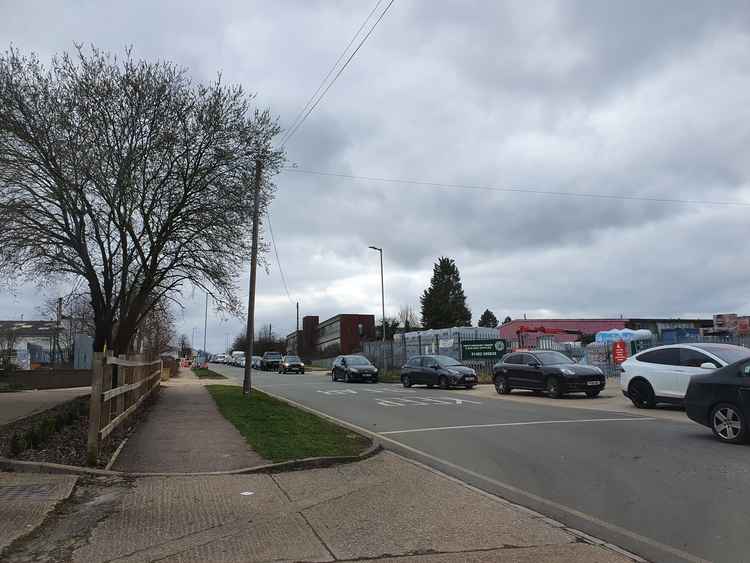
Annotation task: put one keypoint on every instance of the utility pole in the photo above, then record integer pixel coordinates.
(205, 327)
(247, 381)
(296, 334)
(382, 298)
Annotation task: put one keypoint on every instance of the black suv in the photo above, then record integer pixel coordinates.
(291, 364)
(442, 371)
(270, 361)
(546, 370)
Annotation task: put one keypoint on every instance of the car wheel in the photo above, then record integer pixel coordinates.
(406, 381)
(470, 386)
(501, 385)
(728, 423)
(333, 376)
(443, 382)
(593, 393)
(302, 372)
(642, 394)
(553, 388)
(374, 380)
(346, 377)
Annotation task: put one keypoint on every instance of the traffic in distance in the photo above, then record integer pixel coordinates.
(710, 380)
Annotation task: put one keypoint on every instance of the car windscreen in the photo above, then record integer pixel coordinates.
(292, 359)
(552, 358)
(272, 355)
(357, 361)
(729, 354)
(447, 361)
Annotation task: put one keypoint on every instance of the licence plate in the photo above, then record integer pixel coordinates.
(592, 383)
(469, 378)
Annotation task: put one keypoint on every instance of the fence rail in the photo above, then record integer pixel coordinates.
(119, 385)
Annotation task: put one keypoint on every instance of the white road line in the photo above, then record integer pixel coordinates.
(499, 424)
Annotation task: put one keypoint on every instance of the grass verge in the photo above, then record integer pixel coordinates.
(205, 373)
(281, 432)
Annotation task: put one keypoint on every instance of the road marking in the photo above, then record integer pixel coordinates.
(338, 392)
(499, 424)
(528, 496)
(422, 401)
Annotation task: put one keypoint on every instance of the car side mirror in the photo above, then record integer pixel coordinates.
(534, 364)
(708, 365)
(435, 366)
(746, 371)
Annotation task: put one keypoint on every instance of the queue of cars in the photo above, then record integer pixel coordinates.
(711, 380)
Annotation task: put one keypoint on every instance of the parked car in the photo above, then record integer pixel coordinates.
(220, 359)
(256, 362)
(291, 364)
(442, 371)
(720, 400)
(662, 374)
(270, 361)
(546, 370)
(241, 362)
(353, 368)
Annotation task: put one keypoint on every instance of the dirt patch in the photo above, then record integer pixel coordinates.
(60, 434)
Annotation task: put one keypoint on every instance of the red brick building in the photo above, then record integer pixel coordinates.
(341, 334)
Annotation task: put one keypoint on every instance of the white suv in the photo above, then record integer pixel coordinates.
(662, 374)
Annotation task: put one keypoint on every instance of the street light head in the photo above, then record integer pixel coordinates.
(376, 248)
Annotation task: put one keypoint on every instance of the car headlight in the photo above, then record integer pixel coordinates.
(354, 370)
(301, 364)
(567, 371)
(599, 370)
(453, 372)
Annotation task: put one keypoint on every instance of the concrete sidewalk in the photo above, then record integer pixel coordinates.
(384, 508)
(21, 404)
(184, 432)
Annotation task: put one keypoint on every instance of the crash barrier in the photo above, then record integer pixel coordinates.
(119, 385)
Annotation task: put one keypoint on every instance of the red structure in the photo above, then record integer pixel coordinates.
(528, 332)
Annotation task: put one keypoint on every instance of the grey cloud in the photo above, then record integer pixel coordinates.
(626, 97)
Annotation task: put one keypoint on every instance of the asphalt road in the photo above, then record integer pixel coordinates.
(664, 489)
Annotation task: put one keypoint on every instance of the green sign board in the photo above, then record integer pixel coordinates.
(483, 349)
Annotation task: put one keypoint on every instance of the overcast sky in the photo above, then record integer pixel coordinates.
(633, 97)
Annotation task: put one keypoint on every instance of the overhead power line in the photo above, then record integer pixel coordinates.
(589, 195)
(278, 262)
(330, 72)
(294, 129)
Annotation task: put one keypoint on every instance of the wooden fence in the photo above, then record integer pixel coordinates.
(119, 385)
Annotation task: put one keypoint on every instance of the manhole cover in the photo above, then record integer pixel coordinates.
(25, 492)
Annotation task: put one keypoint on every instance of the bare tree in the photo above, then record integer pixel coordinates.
(7, 348)
(408, 318)
(128, 175)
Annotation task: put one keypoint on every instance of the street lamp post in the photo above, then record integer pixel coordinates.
(382, 298)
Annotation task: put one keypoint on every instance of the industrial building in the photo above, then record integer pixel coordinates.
(341, 334)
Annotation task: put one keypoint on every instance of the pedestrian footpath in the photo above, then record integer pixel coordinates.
(184, 432)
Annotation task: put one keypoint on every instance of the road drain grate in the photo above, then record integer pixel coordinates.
(25, 492)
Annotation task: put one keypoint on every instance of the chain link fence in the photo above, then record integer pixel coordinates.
(598, 354)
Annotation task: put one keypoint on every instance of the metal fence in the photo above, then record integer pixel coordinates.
(598, 354)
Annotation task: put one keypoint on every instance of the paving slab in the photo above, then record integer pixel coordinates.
(205, 518)
(25, 501)
(184, 432)
(421, 511)
(20, 404)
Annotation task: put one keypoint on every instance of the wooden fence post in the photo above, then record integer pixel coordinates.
(95, 408)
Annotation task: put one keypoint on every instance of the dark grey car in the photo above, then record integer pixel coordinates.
(442, 371)
(354, 368)
(291, 364)
(546, 370)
